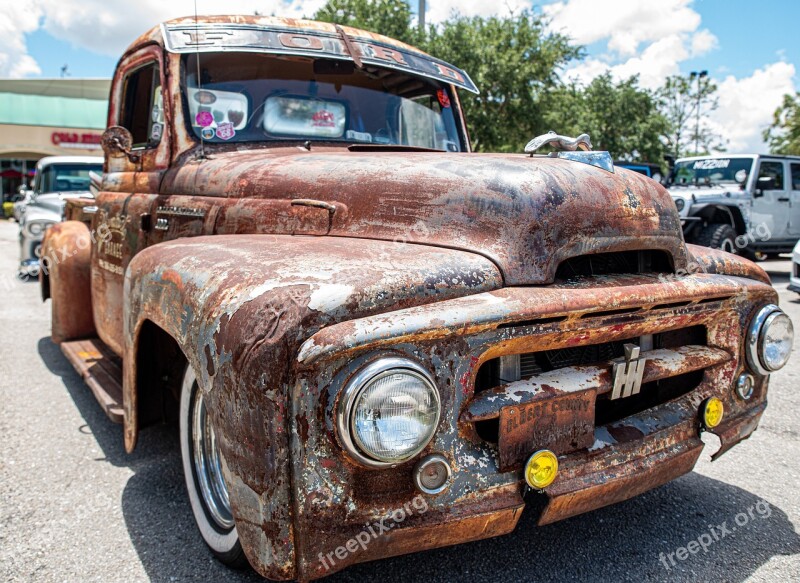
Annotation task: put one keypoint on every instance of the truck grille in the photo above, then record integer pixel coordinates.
(621, 263)
(496, 373)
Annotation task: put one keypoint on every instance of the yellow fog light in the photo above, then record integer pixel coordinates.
(712, 412)
(541, 469)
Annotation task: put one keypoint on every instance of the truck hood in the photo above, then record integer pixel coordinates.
(526, 214)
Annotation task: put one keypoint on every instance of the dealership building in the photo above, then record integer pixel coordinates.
(47, 117)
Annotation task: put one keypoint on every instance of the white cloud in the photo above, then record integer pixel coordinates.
(624, 24)
(440, 10)
(114, 24)
(649, 39)
(746, 105)
(14, 58)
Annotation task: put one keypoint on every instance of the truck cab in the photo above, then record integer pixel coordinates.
(357, 322)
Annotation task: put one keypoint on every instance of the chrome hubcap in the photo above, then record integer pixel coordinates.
(208, 465)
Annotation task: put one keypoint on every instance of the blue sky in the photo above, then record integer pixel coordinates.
(751, 48)
(750, 35)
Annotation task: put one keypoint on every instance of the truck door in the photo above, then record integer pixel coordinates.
(137, 104)
(771, 202)
(794, 194)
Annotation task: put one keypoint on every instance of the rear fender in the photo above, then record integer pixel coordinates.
(65, 278)
(240, 306)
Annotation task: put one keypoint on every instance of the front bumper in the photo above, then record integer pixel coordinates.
(335, 498)
(30, 251)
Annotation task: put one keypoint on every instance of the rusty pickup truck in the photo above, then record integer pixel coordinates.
(373, 340)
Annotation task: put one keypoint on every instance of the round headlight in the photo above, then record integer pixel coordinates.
(679, 204)
(35, 229)
(769, 340)
(388, 412)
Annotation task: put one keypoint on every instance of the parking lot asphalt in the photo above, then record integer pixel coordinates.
(75, 507)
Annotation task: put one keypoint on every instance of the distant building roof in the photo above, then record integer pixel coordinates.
(65, 103)
(80, 88)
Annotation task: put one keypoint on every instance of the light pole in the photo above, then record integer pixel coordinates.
(697, 75)
(421, 15)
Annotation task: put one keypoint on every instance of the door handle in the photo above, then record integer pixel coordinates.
(783, 199)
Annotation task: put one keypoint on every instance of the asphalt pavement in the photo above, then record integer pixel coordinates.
(75, 507)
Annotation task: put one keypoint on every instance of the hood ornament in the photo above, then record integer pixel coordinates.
(576, 149)
(561, 143)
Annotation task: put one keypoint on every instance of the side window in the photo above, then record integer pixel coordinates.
(795, 176)
(143, 110)
(772, 170)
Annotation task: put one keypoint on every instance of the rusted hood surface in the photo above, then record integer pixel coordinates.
(525, 214)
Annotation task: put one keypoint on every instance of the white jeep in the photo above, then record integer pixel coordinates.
(747, 204)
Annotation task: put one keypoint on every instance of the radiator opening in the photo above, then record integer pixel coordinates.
(621, 263)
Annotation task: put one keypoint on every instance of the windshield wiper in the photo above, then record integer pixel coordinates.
(389, 148)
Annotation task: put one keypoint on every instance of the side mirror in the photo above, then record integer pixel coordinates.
(117, 143)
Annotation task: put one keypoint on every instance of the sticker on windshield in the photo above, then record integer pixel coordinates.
(204, 118)
(225, 131)
(711, 164)
(323, 119)
(444, 100)
(740, 176)
(207, 133)
(155, 132)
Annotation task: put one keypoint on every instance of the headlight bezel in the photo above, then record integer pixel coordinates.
(680, 204)
(755, 339)
(346, 405)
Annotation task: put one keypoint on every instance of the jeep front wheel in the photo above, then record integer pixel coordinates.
(718, 236)
(202, 468)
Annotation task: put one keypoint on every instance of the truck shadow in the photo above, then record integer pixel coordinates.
(621, 542)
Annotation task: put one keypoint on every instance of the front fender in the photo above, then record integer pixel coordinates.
(240, 306)
(708, 260)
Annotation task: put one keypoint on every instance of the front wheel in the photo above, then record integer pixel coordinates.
(202, 468)
(718, 236)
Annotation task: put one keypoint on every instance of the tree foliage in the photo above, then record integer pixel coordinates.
(392, 18)
(515, 62)
(619, 116)
(681, 99)
(783, 136)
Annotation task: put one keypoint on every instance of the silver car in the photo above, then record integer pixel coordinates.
(57, 179)
(794, 278)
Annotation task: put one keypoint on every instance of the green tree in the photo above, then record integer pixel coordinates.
(619, 116)
(392, 18)
(514, 62)
(686, 102)
(783, 136)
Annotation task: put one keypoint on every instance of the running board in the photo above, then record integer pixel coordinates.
(101, 370)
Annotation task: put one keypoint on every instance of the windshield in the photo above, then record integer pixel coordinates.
(246, 97)
(65, 177)
(711, 171)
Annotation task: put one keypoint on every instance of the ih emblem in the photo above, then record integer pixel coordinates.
(628, 374)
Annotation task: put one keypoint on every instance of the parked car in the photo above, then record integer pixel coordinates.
(57, 179)
(794, 279)
(21, 202)
(374, 341)
(747, 204)
(649, 169)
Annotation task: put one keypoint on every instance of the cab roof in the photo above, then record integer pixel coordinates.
(298, 37)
